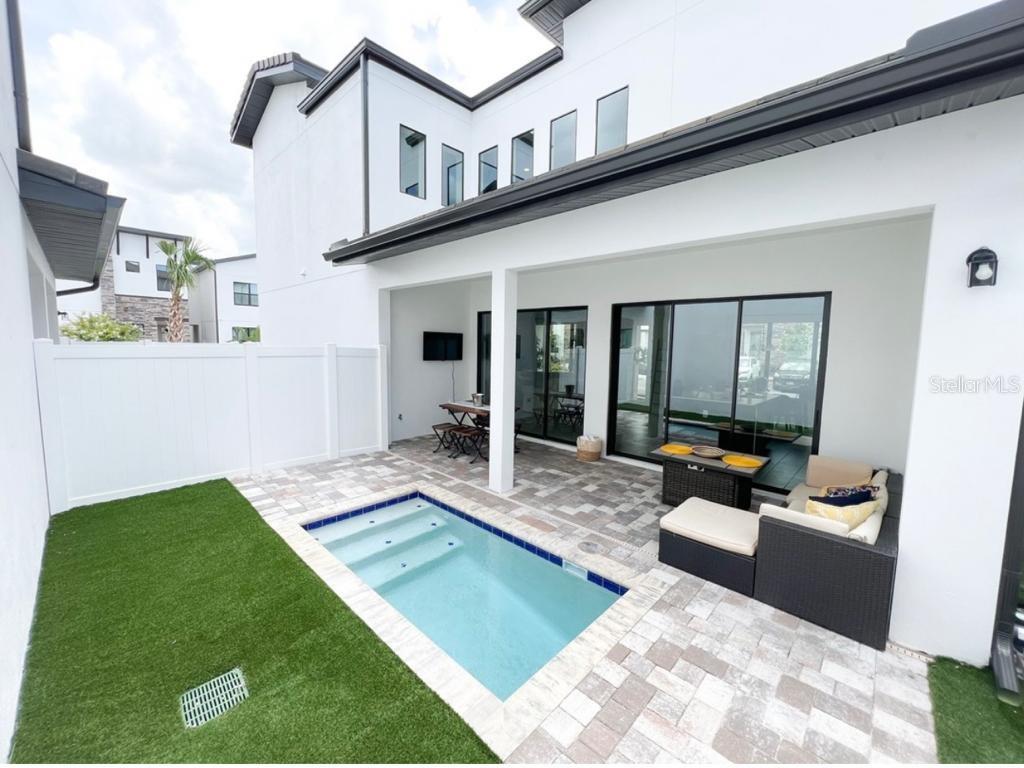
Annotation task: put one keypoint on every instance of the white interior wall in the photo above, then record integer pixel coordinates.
(418, 386)
(24, 512)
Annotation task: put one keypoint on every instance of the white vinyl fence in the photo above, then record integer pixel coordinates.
(120, 419)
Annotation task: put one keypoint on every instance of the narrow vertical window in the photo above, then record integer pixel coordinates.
(563, 140)
(451, 175)
(522, 157)
(412, 162)
(163, 282)
(488, 170)
(612, 113)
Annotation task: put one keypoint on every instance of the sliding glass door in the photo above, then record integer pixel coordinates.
(551, 355)
(744, 374)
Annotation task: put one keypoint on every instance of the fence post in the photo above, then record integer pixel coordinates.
(50, 425)
(383, 399)
(252, 399)
(331, 393)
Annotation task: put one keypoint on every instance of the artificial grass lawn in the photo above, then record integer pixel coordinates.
(143, 598)
(971, 724)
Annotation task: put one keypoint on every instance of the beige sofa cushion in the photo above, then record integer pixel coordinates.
(798, 497)
(798, 517)
(719, 526)
(868, 531)
(880, 479)
(823, 471)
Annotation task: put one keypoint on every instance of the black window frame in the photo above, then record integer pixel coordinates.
(248, 329)
(251, 292)
(444, 176)
(479, 164)
(533, 154)
(597, 120)
(128, 264)
(575, 139)
(401, 141)
(162, 278)
(613, 368)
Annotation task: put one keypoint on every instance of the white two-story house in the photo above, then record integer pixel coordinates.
(225, 302)
(777, 225)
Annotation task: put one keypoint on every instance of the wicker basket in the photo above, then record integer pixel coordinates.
(588, 448)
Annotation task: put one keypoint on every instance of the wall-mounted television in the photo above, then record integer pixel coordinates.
(442, 346)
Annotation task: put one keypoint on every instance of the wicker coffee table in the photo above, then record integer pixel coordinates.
(711, 479)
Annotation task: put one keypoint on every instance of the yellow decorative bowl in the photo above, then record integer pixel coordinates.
(676, 449)
(746, 462)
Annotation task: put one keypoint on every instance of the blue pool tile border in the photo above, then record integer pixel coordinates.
(594, 578)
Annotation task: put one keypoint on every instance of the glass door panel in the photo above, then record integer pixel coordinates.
(566, 373)
(531, 343)
(483, 352)
(702, 380)
(642, 379)
(780, 351)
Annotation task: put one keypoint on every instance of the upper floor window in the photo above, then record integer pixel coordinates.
(412, 162)
(451, 175)
(522, 157)
(246, 295)
(612, 112)
(563, 140)
(131, 266)
(163, 283)
(488, 170)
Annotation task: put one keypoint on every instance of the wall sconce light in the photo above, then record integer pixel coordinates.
(981, 268)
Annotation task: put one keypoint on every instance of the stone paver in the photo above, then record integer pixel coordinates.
(687, 672)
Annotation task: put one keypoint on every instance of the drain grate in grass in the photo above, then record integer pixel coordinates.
(213, 698)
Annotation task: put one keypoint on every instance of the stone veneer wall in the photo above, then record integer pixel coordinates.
(144, 312)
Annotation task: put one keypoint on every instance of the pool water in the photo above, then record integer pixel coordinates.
(499, 610)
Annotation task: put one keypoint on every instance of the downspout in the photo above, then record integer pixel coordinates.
(18, 76)
(364, 61)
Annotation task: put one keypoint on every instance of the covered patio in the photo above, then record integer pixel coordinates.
(683, 670)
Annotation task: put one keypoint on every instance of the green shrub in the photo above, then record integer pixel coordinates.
(100, 328)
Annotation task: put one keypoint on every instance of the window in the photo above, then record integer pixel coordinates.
(246, 295)
(451, 175)
(163, 283)
(488, 170)
(131, 266)
(242, 334)
(563, 140)
(611, 120)
(412, 162)
(522, 157)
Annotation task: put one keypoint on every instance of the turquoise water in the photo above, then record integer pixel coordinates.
(498, 610)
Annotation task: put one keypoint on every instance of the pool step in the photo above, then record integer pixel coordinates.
(367, 523)
(424, 553)
(385, 538)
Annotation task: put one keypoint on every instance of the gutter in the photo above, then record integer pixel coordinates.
(85, 289)
(18, 75)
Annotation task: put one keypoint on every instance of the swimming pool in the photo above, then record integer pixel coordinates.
(499, 606)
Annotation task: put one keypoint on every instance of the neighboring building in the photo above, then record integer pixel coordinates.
(687, 219)
(133, 287)
(225, 302)
(55, 224)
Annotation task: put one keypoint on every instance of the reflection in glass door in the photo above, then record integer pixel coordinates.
(742, 374)
(551, 355)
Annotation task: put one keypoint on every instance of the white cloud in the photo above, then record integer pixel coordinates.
(141, 94)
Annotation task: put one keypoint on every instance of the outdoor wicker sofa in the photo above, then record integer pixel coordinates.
(833, 581)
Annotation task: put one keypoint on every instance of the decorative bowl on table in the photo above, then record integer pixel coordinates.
(477, 398)
(747, 462)
(677, 449)
(708, 452)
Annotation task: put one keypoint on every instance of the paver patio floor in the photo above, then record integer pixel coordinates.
(704, 674)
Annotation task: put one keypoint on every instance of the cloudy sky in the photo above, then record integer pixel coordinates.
(141, 92)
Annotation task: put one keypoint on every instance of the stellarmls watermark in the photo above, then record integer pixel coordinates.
(967, 385)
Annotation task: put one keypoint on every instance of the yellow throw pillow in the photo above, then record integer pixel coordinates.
(852, 515)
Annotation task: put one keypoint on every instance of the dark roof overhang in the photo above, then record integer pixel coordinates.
(72, 215)
(968, 61)
(547, 15)
(374, 52)
(263, 76)
(150, 233)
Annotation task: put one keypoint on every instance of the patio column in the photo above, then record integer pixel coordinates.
(504, 288)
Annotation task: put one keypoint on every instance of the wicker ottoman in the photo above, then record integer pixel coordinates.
(712, 541)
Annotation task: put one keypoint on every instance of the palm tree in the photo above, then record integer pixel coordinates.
(182, 263)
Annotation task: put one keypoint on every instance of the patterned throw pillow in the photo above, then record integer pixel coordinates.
(840, 491)
(845, 500)
(852, 515)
